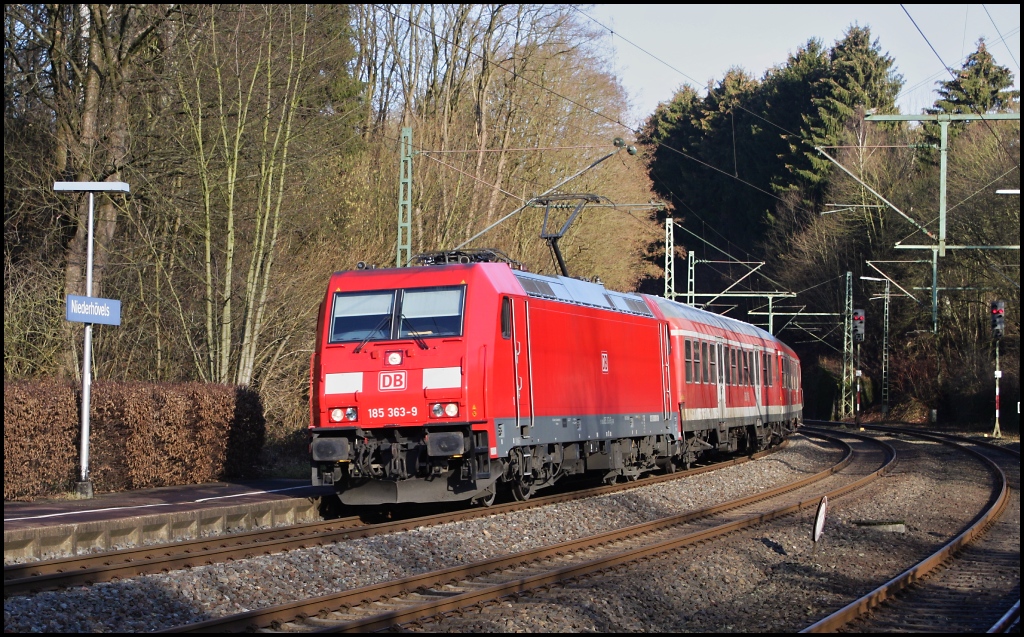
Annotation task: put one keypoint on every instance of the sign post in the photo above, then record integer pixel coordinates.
(87, 309)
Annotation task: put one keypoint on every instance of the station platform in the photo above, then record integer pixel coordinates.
(51, 528)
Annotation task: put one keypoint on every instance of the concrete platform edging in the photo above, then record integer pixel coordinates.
(65, 540)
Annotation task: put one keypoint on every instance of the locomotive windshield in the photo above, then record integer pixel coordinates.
(436, 312)
(362, 316)
(392, 314)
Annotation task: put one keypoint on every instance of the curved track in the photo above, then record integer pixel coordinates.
(971, 584)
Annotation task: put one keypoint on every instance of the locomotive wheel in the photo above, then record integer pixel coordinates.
(670, 467)
(488, 499)
(520, 490)
(519, 482)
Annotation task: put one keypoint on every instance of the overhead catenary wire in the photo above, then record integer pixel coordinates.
(474, 177)
(956, 78)
(504, 150)
(613, 120)
(789, 133)
(1008, 49)
(934, 76)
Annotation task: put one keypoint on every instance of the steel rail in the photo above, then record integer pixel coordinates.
(309, 610)
(102, 567)
(997, 502)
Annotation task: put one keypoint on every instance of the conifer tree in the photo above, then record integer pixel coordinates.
(980, 86)
(859, 75)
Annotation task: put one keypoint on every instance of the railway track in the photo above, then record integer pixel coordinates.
(971, 584)
(89, 569)
(575, 575)
(416, 600)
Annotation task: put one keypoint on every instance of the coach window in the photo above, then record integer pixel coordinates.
(698, 360)
(688, 363)
(732, 366)
(362, 316)
(506, 317)
(714, 364)
(746, 368)
(725, 365)
(704, 360)
(753, 369)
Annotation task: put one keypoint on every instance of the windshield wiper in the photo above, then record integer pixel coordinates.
(415, 335)
(370, 334)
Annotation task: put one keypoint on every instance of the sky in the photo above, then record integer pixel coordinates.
(692, 44)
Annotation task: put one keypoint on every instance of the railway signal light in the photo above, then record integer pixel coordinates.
(858, 326)
(998, 326)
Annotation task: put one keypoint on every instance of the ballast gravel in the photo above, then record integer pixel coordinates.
(714, 588)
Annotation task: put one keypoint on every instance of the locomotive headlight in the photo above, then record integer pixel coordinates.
(437, 410)
(351, 413)
(451, 410)
(394, 358)
(337, 414)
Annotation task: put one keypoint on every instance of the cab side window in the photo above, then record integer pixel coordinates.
(506, 318)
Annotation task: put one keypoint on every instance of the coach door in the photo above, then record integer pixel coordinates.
(755, 376)
(666, 378)
(719, 377)
(766, 382)
(522, 376)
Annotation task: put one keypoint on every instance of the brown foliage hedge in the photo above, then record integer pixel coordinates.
(142, 435)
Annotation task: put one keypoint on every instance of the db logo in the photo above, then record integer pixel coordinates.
(391, 381)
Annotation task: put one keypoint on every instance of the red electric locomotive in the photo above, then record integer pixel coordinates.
(444, 383)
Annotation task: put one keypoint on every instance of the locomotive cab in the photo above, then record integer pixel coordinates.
(392, 407)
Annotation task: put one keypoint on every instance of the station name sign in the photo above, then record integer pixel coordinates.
(91, 309)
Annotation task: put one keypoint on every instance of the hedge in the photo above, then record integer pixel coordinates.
(143, 435)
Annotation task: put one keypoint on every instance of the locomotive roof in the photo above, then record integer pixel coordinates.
(587, 293)
(581, 292)
(593, 294)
